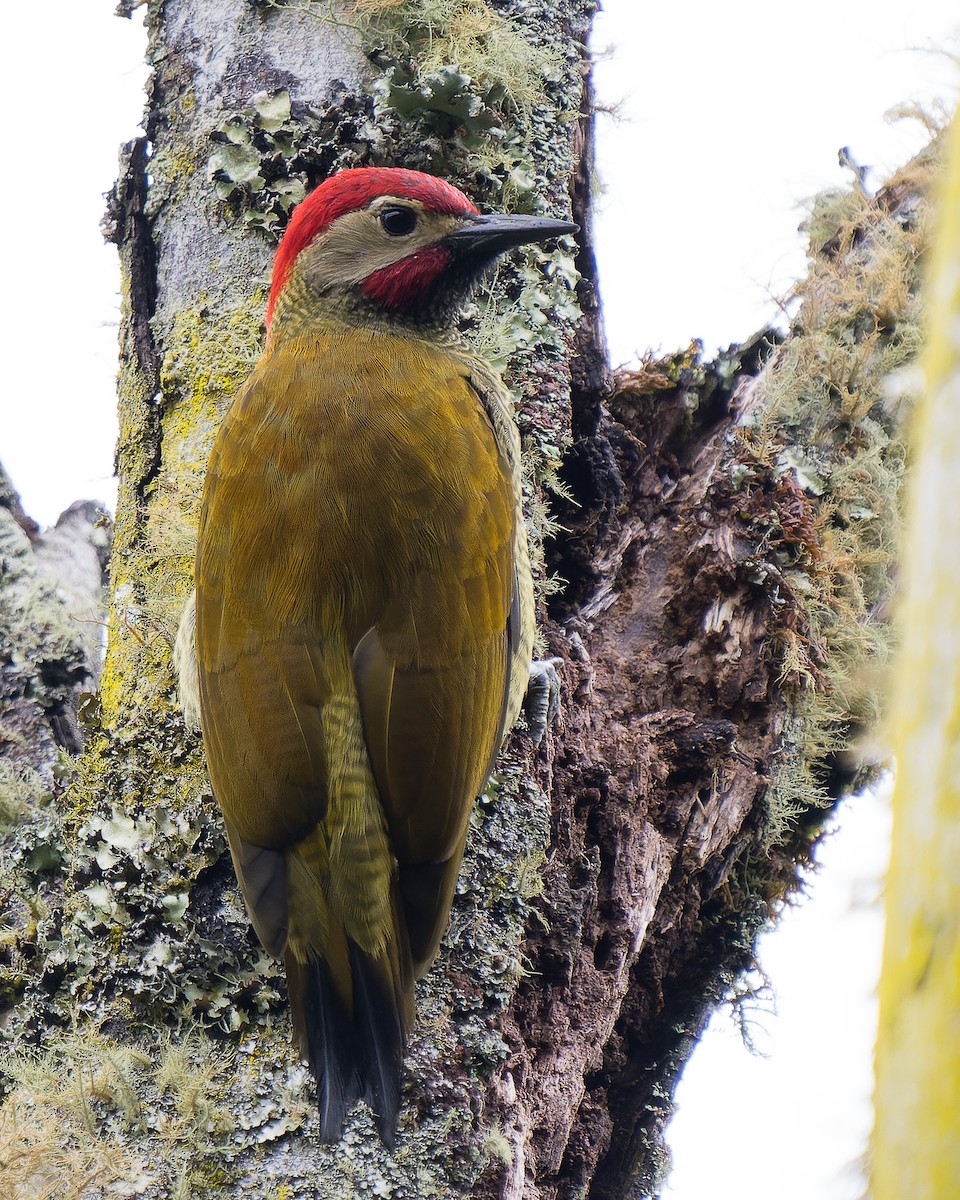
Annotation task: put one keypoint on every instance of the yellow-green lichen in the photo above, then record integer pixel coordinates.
(204, 365)
(91, 1110)
(486, 45)
(202, 370)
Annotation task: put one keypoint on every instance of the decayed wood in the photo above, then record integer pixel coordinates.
(657, 780)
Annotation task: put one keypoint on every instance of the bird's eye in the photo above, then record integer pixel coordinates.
(398, 222)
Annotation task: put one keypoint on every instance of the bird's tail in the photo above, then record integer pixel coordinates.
(353, 1039)
(349, 968)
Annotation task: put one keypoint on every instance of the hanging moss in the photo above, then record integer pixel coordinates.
(831, 434)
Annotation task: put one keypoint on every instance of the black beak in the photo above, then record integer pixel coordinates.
(486, 237)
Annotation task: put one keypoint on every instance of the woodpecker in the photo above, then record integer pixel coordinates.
(361, 633)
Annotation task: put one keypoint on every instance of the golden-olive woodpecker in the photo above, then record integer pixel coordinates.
(363, 609)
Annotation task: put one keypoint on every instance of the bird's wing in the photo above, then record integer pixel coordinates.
(432, 672)
(265, 753)
(262, 672)
(498, 405)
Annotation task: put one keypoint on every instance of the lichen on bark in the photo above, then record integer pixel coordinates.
(719, 536)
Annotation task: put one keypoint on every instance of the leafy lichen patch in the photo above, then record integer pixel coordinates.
(270, 153)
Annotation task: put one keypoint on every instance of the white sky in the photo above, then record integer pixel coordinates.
(67, 109)
(731, 114)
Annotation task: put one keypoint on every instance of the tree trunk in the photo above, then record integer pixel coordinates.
(51, 585)
(712, 541)
(916, 1148)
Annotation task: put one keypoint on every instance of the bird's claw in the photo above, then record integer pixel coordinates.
(543, 696)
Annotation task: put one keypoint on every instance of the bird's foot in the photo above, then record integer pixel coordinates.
(542, 704)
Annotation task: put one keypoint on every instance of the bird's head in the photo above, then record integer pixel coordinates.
(400, 243)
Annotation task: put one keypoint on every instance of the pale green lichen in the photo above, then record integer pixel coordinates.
(20, 788)
(269, 153)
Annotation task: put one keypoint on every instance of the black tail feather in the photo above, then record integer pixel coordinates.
(327, 1038)
(379, 1040)
(352, 1057)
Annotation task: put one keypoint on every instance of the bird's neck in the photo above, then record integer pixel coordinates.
(301, 310)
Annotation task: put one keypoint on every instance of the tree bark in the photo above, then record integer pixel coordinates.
(51, 584)
(713, 542)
